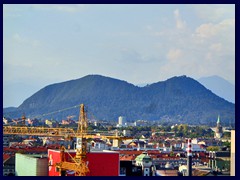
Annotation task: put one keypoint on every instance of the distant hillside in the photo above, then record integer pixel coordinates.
(220, 87)
(10, 109)
(178, 99)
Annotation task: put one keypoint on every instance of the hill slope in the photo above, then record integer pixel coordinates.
(220, 87)
(178, 99)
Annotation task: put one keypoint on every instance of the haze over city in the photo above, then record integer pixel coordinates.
(45, 44)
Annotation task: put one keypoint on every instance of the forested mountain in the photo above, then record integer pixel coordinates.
(178, 99)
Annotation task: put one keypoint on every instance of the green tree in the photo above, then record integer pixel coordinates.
(180, 128)
(171, 154)
(175, 129)
(167, 128)
(185, 130)
(213, 148)
(226, 143)
(90, 128)
(227, 135)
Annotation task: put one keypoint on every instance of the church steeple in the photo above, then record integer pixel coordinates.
(218, 121)
(219, 130)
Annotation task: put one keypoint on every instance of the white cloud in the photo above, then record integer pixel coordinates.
(174, 54)
(180, 24)
(209, 30)
(179, 63)
(206, 30)
(217, 39)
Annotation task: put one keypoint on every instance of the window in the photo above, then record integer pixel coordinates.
(134, 169)
(123, 170)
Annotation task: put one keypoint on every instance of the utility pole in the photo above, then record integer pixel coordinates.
(189, 158)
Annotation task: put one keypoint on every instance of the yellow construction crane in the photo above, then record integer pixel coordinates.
(78, 163)
(23, 118)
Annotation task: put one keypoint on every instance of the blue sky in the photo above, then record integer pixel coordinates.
(45, 44)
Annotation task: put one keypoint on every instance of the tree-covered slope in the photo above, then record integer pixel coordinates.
(178, 99)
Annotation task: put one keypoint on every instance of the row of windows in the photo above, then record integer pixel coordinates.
(8, 170)
(8, 174)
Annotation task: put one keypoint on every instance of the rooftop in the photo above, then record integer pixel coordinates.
(142, 157)
(167, 172)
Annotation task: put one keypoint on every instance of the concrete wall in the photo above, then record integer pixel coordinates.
(30, 165)
(232, 161)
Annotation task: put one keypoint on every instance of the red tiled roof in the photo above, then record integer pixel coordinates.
(5, 157)
(39, 149)
(127, 157)
(167, 172)
(153, 152)
(202, 154)
(130, 152)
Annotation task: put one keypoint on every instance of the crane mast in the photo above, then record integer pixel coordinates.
(81, 131)
(79, 164)
(23, 119)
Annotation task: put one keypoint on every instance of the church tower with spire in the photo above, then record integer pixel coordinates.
(219, 130)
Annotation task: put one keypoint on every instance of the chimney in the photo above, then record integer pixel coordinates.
(189, 158)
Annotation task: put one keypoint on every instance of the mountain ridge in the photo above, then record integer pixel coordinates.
(178, 99)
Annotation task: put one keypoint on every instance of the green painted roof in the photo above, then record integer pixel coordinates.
(142, 157)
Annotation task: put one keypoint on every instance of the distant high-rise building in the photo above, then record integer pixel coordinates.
(219, 130)
(121, 120)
